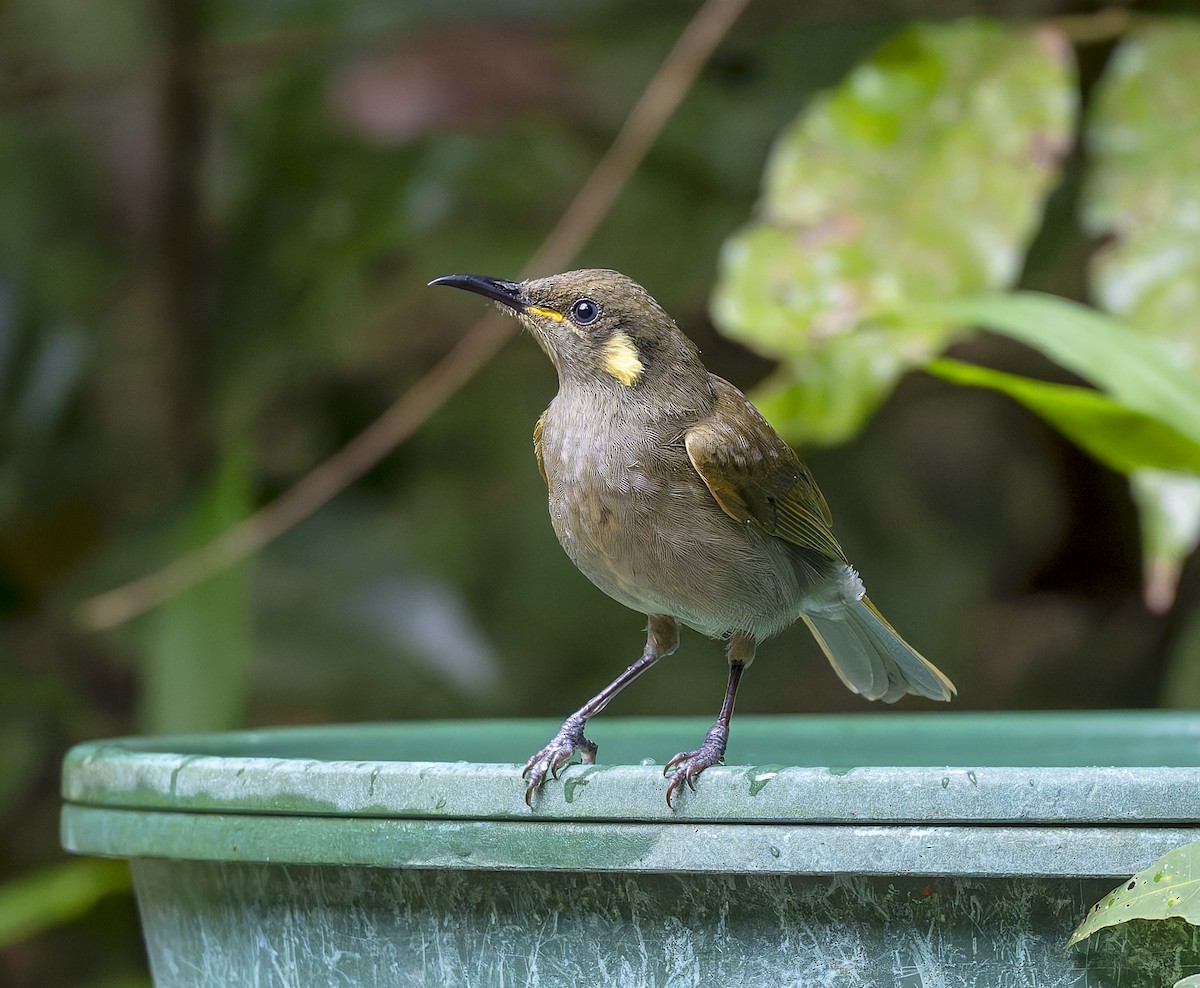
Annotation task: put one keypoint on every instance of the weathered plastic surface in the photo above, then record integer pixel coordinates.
(211, 924)
(931, 849)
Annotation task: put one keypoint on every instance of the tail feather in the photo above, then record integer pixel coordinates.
(872, 659)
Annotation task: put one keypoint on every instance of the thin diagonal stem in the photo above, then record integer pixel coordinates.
(661, 97)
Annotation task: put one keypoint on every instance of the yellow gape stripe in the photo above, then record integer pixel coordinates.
(621, 359)
(548, 313)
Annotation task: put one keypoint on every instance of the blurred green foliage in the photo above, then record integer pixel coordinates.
(55, 895)
(1143, 197)
(199, 658)
(216, 222)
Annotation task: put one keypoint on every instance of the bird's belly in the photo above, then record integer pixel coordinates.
(663, 546)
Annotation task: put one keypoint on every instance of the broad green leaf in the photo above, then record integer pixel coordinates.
(812, 396)
(55, 895)
(197, 672)
(1169, 887)
(1143, 189)
(1142, 199)
(922, 175)
(1121, 437)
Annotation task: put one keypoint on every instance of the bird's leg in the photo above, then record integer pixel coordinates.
(662, 638)
(689, 764)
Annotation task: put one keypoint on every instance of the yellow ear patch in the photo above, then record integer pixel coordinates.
(621, 359)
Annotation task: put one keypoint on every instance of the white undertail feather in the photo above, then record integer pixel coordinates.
(872, 659)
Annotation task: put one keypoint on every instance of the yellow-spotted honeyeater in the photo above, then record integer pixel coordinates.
(675, 496)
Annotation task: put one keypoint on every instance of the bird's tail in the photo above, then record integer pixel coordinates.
(872, 659)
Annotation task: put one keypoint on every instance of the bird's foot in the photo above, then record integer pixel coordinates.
(687, 765)
(557, 754)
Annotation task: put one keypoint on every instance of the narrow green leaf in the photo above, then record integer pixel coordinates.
(1121, 437)
(55, 895)
(1137, 371)
(1169, 887)
(1132, 369)
(198, 670)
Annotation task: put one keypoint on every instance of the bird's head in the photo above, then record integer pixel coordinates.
(595, 325)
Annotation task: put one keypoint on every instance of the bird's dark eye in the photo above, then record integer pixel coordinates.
(585, 312)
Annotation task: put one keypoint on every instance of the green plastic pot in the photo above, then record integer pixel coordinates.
(883, 849)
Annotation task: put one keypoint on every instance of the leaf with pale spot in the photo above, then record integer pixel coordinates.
(923, 175)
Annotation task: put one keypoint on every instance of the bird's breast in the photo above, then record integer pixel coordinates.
(607, 494)
(635, 517)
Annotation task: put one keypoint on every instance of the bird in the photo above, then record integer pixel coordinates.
(672, 493)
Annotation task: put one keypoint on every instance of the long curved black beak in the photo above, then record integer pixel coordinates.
(505, 292)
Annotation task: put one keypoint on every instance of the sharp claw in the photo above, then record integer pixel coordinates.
(559, 761)
(555, 756)
(673, 790)
(537, 776)
(682, 777)
(687, 766)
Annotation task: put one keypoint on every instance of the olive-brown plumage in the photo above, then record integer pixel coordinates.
(673, 495)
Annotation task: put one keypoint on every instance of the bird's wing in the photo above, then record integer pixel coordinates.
(755, 476)
(537, 449)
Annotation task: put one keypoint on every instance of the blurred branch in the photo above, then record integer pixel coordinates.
(662, 96)
(1090, 29)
